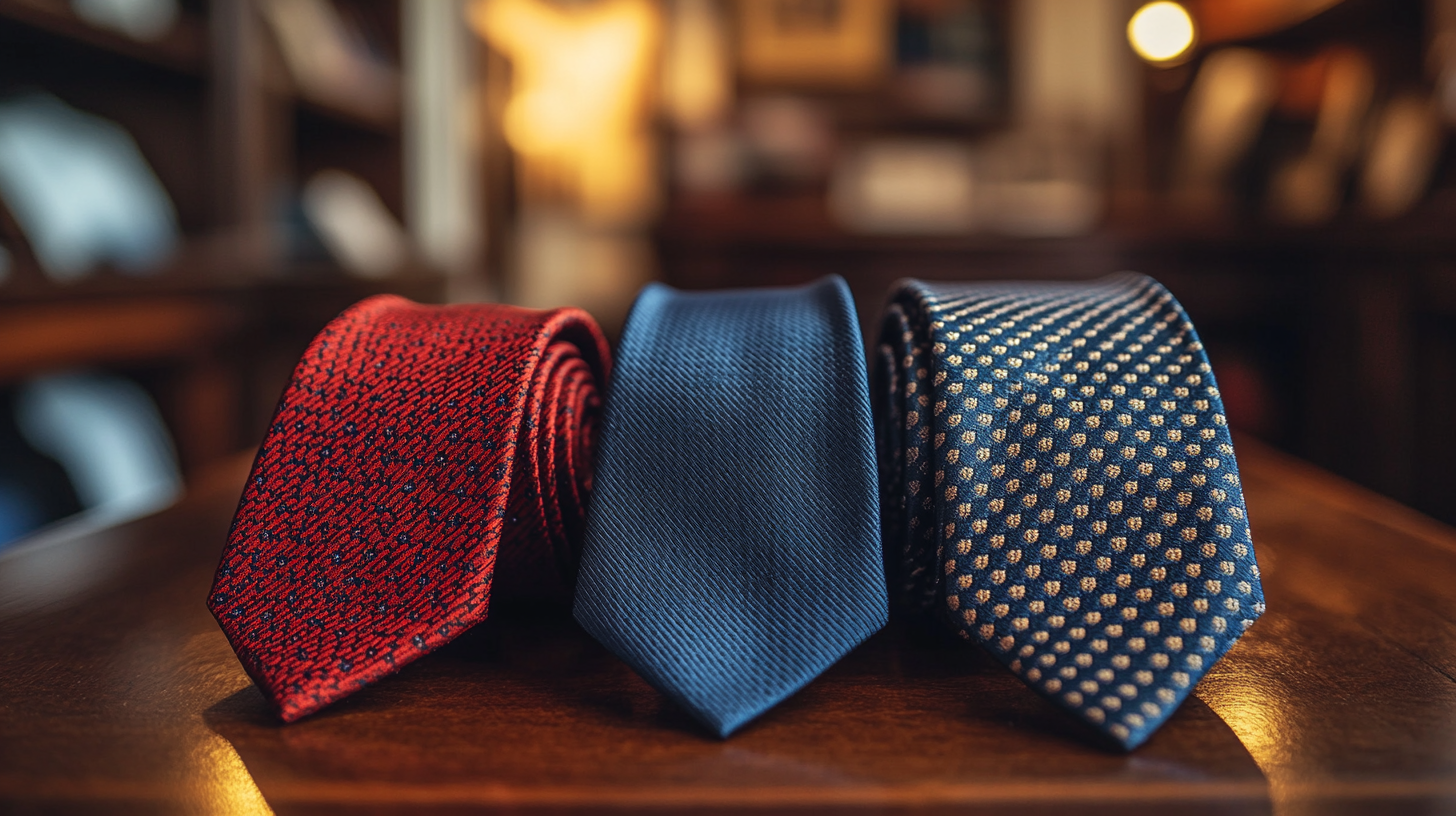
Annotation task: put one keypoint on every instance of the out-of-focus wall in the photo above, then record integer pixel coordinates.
(189, 190)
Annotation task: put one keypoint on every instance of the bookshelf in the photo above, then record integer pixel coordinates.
(213, 333)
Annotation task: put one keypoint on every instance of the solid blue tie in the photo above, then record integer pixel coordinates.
(732, 550)
(1060, 481)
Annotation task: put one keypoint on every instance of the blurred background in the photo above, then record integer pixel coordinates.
(190, 189)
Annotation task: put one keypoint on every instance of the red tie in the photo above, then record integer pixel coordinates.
(417, 452)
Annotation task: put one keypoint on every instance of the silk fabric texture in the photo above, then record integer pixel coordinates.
(420, 460)
(1059, 484)
(732, 550)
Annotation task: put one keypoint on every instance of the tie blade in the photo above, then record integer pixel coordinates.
(732, 550)
(1092, 532)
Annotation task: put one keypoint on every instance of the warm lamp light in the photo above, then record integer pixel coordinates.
(1161, 32)
(578, 111)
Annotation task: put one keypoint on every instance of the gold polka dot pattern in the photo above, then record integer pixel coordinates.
(1060, 482)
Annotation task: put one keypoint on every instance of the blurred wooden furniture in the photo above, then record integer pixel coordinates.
(1337, 343)
(213, 334)
(214, 353)
(118, 694)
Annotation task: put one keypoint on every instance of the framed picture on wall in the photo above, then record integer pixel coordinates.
(816, 43)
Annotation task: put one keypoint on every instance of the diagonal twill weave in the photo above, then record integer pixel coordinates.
(1059, 479)
(732, 551)
(419, 456)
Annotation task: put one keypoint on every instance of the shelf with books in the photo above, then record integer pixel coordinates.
(210, 121)
(43, 24)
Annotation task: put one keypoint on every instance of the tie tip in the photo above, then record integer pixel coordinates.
(1129, 740)
(723, 724)
(725, 730)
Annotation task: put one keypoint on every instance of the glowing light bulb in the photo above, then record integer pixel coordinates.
(1161, 32)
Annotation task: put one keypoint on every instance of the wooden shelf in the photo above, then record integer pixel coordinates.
(214, 349)
(221, 264)
(176, 313)
(801, 220)
(183, 49)
(297, 278)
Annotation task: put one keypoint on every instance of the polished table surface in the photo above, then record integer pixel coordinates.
(118, 694)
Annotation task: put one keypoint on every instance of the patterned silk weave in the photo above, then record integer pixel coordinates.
(732, 550)
(417, 452)
(1058, 479)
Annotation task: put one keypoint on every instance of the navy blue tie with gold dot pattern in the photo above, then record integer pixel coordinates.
(732, 548)
(1059, 481)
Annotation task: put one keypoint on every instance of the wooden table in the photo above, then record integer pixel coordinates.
(118, 694)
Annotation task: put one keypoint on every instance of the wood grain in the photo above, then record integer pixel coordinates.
(1345, 692)
(118, 694)
(48, 338)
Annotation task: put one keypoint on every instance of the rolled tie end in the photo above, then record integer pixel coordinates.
(410, 445)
